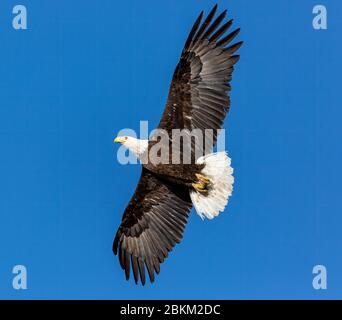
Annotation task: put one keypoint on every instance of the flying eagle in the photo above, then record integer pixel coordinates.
(155, 218)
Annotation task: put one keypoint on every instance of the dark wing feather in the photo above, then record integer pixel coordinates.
(199, 92)
(152, 224)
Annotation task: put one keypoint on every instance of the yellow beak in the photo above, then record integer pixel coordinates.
(120, 139)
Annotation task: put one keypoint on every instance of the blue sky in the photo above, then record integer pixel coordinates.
(86, 69)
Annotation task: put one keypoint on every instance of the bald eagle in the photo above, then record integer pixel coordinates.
(155, 218)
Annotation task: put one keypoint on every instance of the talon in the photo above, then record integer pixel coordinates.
(202, 183)
(202, 178)
(200, 187)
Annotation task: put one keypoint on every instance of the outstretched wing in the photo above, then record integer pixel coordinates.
(152, 224)
(199, 92)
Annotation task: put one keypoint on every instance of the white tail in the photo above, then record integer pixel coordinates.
(218, 170)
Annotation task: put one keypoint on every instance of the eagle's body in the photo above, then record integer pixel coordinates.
(155, 218)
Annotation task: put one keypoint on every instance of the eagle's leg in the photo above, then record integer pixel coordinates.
(202, 183)
(199, 187)
(202, 177)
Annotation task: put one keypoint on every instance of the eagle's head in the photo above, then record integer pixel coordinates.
(135, 145)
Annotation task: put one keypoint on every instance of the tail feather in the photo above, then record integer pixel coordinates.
(217, 168)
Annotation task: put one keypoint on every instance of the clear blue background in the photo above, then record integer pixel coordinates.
(86, 69)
